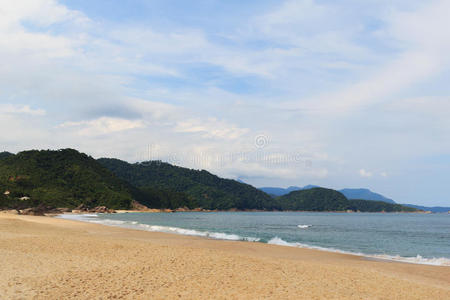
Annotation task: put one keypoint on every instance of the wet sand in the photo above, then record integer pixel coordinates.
(48, 258)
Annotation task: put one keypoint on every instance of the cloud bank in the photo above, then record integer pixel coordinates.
(336, 89)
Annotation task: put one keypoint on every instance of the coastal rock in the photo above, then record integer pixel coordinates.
(182, 209)
(102, 210)
(81, 207)
(33, 211)
(138, 206)
(63, 209)
(99, 209)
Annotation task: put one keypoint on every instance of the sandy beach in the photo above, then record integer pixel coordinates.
(48, 258)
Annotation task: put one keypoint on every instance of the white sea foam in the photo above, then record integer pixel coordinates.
(304, 226)
(93, 218)
(442, 261)
(78, 217)
(192, 232)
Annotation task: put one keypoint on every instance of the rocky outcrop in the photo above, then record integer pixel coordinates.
(182, 209)
(197, 209)
(102, 210)
(138, 206)
(39, 210)
(42, 210)
(81, 208)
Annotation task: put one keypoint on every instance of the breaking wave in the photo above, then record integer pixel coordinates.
(304, 226)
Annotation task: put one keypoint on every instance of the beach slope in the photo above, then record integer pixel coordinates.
(48, 258)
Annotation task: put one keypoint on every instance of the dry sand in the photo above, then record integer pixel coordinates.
(48, 258)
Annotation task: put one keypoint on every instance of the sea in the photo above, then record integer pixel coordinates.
(405, 237)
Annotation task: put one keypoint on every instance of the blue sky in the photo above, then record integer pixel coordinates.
(334, 93)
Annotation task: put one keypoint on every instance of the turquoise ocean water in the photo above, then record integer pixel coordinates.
(415, 238)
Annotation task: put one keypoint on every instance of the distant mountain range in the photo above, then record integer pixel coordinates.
(352, 194)
(363, 194)
(275, 191)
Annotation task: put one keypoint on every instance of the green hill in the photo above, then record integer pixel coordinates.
(5, 154)
(315, 199)
(321, 199)
(63, 178)
(203, 188)
(377, 206)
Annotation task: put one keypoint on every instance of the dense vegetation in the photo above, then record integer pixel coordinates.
(63, 178)
(4, 155)
(202, 188)
(165, 198)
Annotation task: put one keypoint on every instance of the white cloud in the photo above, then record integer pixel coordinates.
(364, 173)
(39, 12)
(103, 125)
(211, 128)
(424, 54)
(21, 109)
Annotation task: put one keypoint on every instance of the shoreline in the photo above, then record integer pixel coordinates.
(439, 261)
(156, 210)
(34, 211)
(50, 258)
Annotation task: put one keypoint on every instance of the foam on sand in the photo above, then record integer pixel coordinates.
(442, 261)
(93, 218)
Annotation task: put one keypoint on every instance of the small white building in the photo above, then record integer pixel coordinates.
(24, 198)
(7, 193)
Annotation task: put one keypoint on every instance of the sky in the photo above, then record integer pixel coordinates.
(341, 94)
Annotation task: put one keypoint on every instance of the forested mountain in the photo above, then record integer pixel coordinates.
(204, 189)
(67, 178)
(63, 178)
